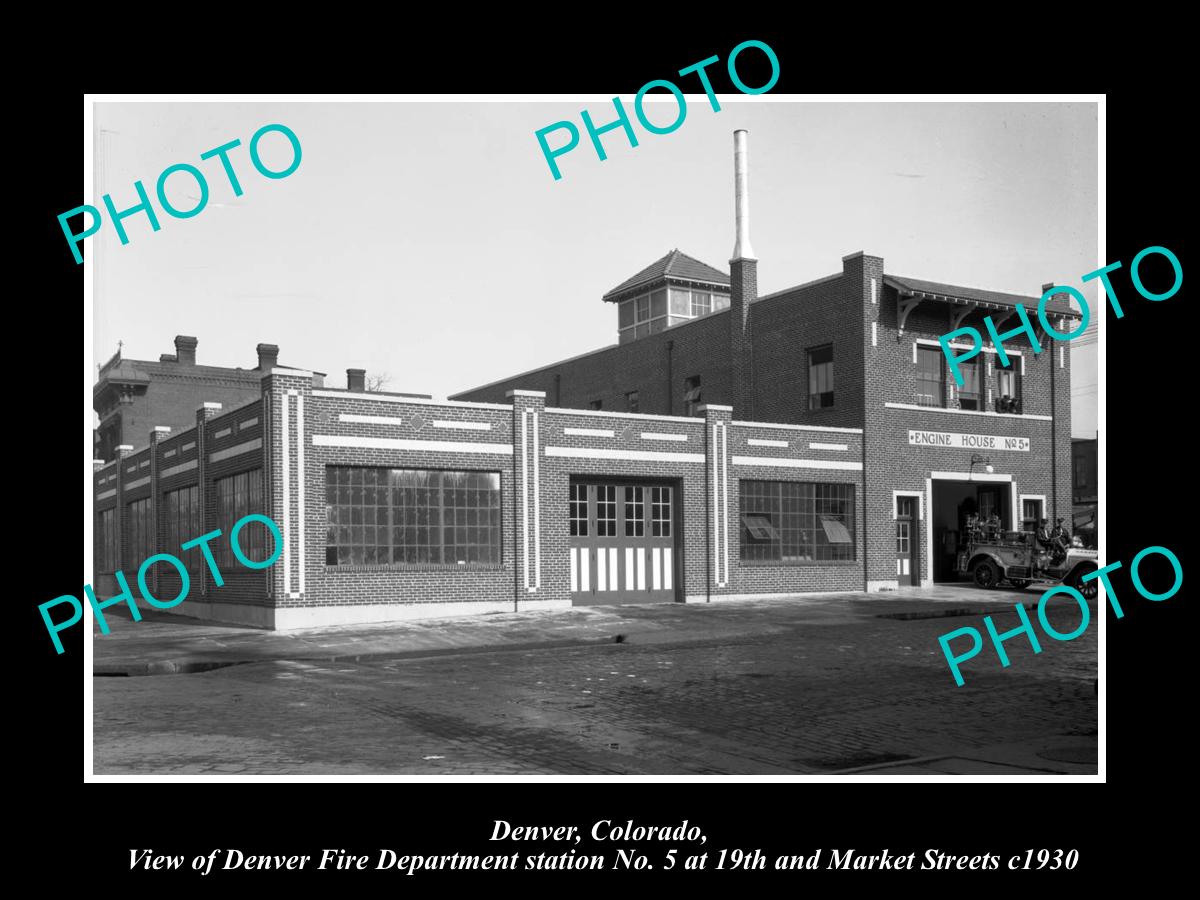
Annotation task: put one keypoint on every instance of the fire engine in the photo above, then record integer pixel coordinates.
(1015, 556)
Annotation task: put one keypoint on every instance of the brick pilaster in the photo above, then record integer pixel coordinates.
(123, 452)
(288, 490)
(720, 499)
(528, 491)
(208, 516)
(160, 433)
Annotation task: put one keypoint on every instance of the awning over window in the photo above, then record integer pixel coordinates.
(835, 531)
(760, 528)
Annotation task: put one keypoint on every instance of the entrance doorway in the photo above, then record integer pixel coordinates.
(623, 539)
(908, 541)
(950, 505)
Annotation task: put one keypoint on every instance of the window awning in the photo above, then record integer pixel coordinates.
(835, 531)
(760, 528)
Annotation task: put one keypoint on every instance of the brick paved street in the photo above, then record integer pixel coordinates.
(813, 689)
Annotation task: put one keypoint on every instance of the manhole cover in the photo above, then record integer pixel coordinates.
(1070, 754)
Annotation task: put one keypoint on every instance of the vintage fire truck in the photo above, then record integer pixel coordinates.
(1016, 557)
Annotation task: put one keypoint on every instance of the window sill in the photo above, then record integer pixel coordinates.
(416, 567)
(797, 564)
(968, 412)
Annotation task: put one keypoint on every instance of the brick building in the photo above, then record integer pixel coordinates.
(729, 445)
(133, 395)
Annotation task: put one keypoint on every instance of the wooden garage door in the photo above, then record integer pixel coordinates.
(623, 542)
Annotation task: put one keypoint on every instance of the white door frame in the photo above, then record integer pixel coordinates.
(980, 477)
(920, 517)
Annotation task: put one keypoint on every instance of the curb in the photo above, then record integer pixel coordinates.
(953, 611)
(185, 666)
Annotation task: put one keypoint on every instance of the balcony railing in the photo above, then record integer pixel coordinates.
(925, 397)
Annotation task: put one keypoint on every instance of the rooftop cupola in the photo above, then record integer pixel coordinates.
(668, 292)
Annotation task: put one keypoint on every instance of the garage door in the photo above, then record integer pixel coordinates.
(623, 542)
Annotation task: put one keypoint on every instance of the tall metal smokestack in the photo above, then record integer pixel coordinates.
(741, 193)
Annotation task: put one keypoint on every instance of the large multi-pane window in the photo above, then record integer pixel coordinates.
(238, 496)
(106, 540)
(797, 522)
(820, 377)
(140, 528)
(181, 515)
(413, 517)
(930, 377)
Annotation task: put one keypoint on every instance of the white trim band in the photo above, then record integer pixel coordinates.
(766, 442)
(816, 446)
(367, 443)
(236, 450)
(968, 412)
(660, 436)
(589, 432)
(787, 463)
(463, 426)
(356, 419)
(796, 427)
(179, 469)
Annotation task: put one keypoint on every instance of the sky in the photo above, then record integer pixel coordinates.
(429, 240)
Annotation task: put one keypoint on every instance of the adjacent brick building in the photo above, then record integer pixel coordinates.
(729, 445)
(131, 396)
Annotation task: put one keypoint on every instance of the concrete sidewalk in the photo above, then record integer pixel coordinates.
(168, 644)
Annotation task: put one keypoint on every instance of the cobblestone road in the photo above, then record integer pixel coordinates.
(801, 699)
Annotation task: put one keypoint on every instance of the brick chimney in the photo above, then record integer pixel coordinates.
(743, 284)
(185, 349)
(268, 357)
(356, 380)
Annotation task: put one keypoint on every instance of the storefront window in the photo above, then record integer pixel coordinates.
(237, 497)
(411, 516)
(796, 522)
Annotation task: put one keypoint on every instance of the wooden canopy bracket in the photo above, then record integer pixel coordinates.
(905, 306)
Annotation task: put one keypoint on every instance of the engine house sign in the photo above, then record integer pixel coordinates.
(967, 441)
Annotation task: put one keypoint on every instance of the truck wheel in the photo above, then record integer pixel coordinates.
(1020, 583)
(987, 574)
(1089, 589)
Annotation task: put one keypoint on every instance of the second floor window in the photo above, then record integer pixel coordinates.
(968, 391)
(820, 377)
(930, 385)
(691, 396)
(595, 404)
(631, 401)
(1008, 389)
